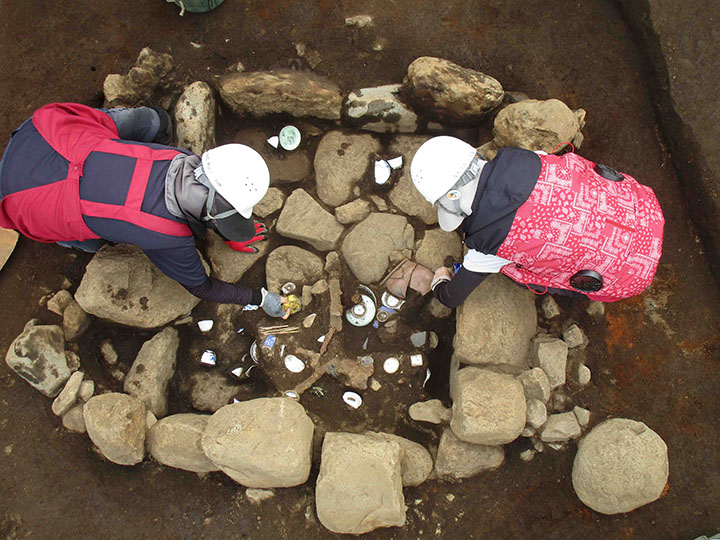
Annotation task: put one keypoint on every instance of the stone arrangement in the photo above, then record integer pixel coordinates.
(508, 378)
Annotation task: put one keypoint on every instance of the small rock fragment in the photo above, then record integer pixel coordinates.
(59, 302)
(87, 389)
(584, 374)
(582, 415)
(595, 309)
(560, 428)
(550, 307)
(73, 419)
(536, 413)
(432, 411)
(68, 395)
(257, 495)
(575, 337)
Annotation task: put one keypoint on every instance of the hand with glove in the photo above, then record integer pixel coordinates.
(245, 247)
(441, 275)
(272, 304)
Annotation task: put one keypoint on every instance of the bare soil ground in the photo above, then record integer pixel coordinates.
(654, 358)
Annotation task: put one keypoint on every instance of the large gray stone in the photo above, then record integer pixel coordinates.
(302, 218)
(291, 263)
(122, 285)
(261, 443)
(458, 459)
(451, 93)
(175, 441)
(538, 125)
(211, 390)
(152, 370)
(195, 118)
(438, 245)
(228, 264)
(341, 162)
(369, 246)
(381, 109)
(495, 325)
(297, 93)
(38, 356)
(404, 195)
(285, 167)
(620, 465)
(116, 423)
(359, 488)
(417, 463)
(488, 408)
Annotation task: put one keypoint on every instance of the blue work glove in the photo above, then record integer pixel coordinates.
(272, 304)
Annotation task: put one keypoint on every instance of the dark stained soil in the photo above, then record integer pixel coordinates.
(654, 358)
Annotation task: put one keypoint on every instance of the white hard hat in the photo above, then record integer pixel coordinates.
(438, 165)
(239, 174)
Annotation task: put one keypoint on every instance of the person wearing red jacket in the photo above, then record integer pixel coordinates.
(80, 176)
(552, 223)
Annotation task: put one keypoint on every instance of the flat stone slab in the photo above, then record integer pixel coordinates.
(116, 423)
(285, 167)
(359, 488)
(380, 109)
(230, 265)
(458, 459)
(302, 218)
(261, 443)
(388, 234)
(152, 370)
(341, 162)
(291, 263)
(496, 324)
(122, 285)
(488, 408)
(195, 118)
(175, 441)
(298, 93)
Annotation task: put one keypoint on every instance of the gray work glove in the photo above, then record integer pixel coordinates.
(272, 303)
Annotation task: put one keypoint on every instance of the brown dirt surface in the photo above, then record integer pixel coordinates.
(654, 359)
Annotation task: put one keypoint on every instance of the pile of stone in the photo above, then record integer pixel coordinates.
(507, 380)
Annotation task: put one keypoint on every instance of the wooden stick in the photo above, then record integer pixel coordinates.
(321, 369)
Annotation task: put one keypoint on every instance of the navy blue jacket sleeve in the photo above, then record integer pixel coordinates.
(183, 264)
(180, 263)
(454, 292)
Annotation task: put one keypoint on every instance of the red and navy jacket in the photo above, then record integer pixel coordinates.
(66, 175)
(554, 215)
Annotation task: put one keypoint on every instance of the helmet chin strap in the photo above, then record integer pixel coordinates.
(201, 177)
(469, 175)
